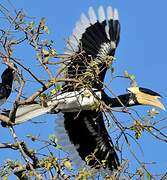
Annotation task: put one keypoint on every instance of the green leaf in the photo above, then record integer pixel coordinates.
(132, 77)
(67, 164)
(45, 52)
(56, 89)
(53, 138)
(148, 176)
(138, 128)
(5, 178)
(46, 29)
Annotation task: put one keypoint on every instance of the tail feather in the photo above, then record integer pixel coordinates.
(27, 112)
(69, 101)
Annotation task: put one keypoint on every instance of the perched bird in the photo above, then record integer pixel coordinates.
(6, 84)
(82, 133)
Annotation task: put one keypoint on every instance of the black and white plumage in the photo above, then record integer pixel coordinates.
(6, 84)
(82, 133)
(103, 43)
(97, 38)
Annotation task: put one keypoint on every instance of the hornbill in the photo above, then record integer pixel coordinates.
(6, 84)
(83, 132)
(97, 39)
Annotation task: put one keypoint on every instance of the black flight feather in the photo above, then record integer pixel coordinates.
(86, 129)
(97, 41)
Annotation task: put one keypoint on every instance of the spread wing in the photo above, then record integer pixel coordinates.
(93, 44)
(91, 49)
(88, 134)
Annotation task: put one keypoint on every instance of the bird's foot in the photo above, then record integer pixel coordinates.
(125, 110)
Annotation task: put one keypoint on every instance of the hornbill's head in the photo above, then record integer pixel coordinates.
(143, 96)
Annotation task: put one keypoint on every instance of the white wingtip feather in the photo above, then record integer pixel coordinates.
(85, 21)
(76, 34)
(92, 15)
(109, 13)
(101, 14)
(116, 15)
(78, 30)
(73, 41)
(68, 52)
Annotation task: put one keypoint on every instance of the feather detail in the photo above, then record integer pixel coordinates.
(87, 132)
(97, 38)
(109, 13)
(67, 146)
(85, 21)
(92, 15)
(101, 14)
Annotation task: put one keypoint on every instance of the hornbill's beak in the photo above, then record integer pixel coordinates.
(145, 96)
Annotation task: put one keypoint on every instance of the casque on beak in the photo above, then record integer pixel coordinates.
(146, 97)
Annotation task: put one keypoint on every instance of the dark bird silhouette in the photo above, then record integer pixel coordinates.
(6, 84)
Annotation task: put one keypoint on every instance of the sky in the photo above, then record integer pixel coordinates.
(142, 51)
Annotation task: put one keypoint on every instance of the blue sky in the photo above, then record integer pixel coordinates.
(142, 51)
